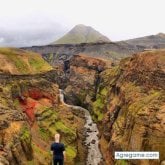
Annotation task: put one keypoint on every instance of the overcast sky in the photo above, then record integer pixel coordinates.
(38, 22)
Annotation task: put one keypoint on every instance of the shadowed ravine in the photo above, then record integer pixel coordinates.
(94, 156)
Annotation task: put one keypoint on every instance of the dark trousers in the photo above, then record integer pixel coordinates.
(58, 162)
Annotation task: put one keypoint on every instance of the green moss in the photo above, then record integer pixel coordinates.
(121, 162)
(50, 124)
(30, 163)
(25, 62)
(116, 55)
(98, 103)
(47, 122)
(16, 103)
(104, 92)
(48, 114)
(98, 106)
(61, 127)
(71, 152)
(38, 63)
(100, 116)
(45, 135)
(25, 134)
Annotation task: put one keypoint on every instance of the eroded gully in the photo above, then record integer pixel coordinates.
(94, 156)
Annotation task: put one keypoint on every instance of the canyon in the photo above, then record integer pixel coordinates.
(125, 100)
(31, 113)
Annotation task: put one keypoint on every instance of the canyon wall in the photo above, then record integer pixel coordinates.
(127, 101)
(55, 54)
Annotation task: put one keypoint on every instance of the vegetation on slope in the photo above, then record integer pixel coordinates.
(17, 61)
(133, 118)
(30, 116)
(82, 34)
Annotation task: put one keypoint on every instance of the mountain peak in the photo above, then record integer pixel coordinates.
(81, 25)
(82, 34)
(161, 34)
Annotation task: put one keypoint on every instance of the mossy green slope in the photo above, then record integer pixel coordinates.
(18, 62)
(82, 34)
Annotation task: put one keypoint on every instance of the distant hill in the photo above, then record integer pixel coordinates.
(152, 41)
(16, 61)
(82, 34)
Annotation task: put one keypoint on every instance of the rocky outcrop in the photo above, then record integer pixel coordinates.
(30, 115)
(56, 54)
(83, 78)
(133, 115)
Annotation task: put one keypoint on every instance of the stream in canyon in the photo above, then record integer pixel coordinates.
(94, 156)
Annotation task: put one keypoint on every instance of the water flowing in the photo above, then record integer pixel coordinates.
(94, 156)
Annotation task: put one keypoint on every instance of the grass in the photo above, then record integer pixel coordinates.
(23, 62)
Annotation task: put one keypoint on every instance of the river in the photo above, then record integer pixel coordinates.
(94, 156)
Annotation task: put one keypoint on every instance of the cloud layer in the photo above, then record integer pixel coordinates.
(38, 22)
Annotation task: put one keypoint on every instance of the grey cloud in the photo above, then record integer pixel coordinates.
(27, 36)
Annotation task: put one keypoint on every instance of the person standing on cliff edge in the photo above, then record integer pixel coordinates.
(58, 151)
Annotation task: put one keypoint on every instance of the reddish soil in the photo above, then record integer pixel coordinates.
(33, 99)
